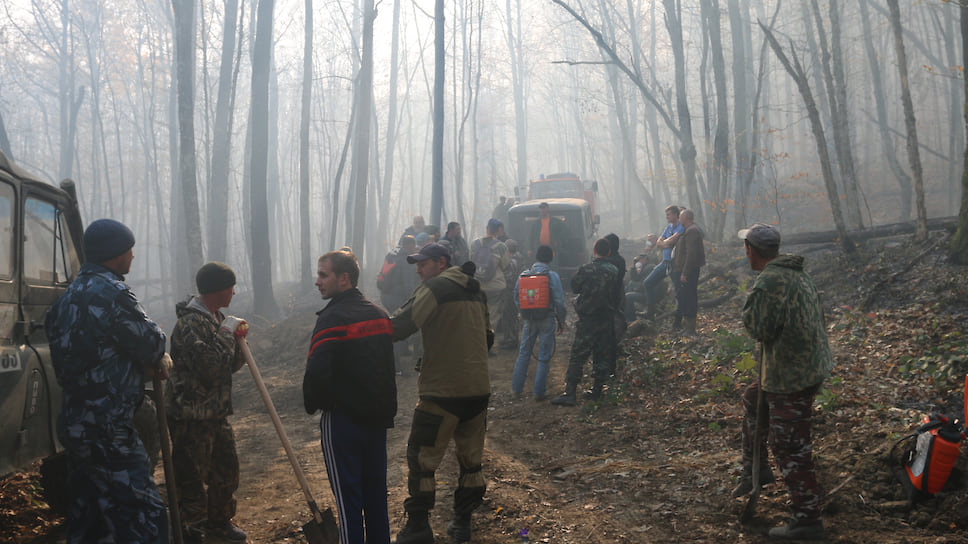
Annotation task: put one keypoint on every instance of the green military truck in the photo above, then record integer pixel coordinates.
(41, 251)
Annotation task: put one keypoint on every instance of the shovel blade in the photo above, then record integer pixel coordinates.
(324, 532)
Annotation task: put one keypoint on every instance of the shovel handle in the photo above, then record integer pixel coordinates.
(170, 487)
(277, 423)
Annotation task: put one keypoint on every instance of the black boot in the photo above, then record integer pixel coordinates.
(416, 531)
(568, 398)
(595, 393)
(460, 528)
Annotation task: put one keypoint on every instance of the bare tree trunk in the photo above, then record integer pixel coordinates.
(361, 152)
(742, 68)
(687, 149)
(959, 243)
(800, 78)
(437, 189)
(306, 271)
(261, 256)
(888, 152)
(184, 11)
(721, 141)
(910, 123)
(218, 185)
(519, 74)
(391, 121)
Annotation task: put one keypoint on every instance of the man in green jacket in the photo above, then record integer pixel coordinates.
(450, 310)
(784, 313)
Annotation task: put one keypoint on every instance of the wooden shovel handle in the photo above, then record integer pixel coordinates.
(170, 487)
(257, 377)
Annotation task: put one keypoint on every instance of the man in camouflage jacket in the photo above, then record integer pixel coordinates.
(198, 399)
(784, 313)
(102, 345)
(594, 283)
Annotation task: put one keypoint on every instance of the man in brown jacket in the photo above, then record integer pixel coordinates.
(689, 258)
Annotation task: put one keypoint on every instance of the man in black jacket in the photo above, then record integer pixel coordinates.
(350, 377)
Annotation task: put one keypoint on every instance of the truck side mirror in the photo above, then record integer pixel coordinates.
(597, 219)
(595, 186)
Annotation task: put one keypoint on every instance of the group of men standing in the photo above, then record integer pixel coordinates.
(104, 346)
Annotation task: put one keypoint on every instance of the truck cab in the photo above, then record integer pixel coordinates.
(561, 185)
(578, 232)
(40, 249)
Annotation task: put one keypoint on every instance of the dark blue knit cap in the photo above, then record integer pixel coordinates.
(105, 239)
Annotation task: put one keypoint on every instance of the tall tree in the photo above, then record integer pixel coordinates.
(306, 262)
(519, 74)
(437, 187)
(184, 12)
(218, 183)
(883, 123)
(260, 255)
(719, 186)
(799, 76)
(361, 152)
(959, 243)
(910, 123)
(391, 135)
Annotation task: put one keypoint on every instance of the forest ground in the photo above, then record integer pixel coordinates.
(656, 460)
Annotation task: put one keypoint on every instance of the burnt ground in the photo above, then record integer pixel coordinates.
(656, 460)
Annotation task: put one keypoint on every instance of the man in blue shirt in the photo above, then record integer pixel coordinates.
(103, 346)
(653, 284)
(539, 325)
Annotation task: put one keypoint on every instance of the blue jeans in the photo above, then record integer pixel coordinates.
(653, 282)
(543, 331)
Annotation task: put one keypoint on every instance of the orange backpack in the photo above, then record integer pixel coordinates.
(534, 295)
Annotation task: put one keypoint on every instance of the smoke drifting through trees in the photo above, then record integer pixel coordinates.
(249, 162)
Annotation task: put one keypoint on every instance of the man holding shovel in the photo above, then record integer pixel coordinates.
(198, 400)
(350, 376)
(783, 312)
(450, 310)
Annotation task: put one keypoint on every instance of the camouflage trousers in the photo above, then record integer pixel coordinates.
(789, 439)
(206, 468)
(594, 339)
(113, 494)
(464, 420)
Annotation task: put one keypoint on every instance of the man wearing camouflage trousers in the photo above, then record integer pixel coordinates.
(594, 283)
(198, 399)
(784, 313)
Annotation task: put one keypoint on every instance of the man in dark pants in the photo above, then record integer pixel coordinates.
(350, 377)
(198, 398)
(102, 345)
(689, 259)
(784, 313)
(450, 311)
(594, 285)
(618, 303)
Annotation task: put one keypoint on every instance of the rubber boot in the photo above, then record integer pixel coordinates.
(416, 531)
(568, 398)
(676, 323)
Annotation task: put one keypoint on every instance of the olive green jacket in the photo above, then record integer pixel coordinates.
(784, 313)
(450, 310)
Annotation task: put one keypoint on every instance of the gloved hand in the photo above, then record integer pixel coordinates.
(235, 325)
